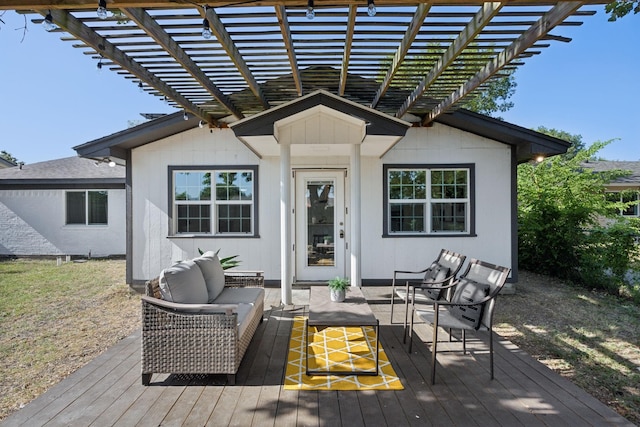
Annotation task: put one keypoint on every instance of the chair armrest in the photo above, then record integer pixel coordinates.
(191, 308)
(244, 279)
(464, 304)
(396, 272)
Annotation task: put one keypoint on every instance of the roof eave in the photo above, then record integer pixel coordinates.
(529, 144)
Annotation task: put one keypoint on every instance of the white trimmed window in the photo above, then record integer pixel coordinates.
(87, 207)
(630, 198)
(429, 200)
(227, 210)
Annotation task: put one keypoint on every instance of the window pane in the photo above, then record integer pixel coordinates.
(407, 184)
(448, 217)
(234, 185)
(194, 219)
(234, 218)
(192, 186)
(98, 207)
(407, 217)
(449, 184)
(76, 207)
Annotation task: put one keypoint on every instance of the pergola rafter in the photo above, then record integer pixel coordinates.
(477, 23)
(155, 31)
(412, 59)
(550, 20)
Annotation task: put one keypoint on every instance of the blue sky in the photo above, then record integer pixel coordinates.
(53, 97)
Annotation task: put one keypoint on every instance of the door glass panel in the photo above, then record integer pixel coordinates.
(320, 223)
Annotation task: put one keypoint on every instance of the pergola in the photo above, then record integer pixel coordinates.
(424, 58)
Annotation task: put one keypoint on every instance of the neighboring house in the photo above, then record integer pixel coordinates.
(321, 187)
(70, 206)
(4, 163)
(624, 189)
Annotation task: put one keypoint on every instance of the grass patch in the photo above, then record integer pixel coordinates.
(590, 338)
(55, 319)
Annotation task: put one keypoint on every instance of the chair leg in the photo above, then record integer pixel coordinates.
(434, 350)
(491, 350)
(406, 312)
(411, 332)
(464, 341)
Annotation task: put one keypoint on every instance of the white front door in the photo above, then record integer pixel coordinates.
(319, 225)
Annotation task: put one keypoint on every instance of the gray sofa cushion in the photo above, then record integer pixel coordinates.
(184, 283)
(212, 272)
(240, 295)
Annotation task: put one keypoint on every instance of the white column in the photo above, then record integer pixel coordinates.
(285, 223)
(354, 212)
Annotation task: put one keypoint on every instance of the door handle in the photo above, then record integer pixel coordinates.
(342, 234)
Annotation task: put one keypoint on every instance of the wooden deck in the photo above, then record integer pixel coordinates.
(108, 390)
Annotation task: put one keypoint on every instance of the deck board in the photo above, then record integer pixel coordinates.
(108, 390)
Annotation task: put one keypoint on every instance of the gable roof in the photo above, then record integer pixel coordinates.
(68, 172)
(528, 143)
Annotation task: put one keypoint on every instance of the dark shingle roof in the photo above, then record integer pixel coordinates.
(67, 171)
(607, 165)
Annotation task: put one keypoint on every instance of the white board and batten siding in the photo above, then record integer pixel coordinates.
(154, 249)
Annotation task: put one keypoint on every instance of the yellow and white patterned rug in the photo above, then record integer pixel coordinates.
(345, 349)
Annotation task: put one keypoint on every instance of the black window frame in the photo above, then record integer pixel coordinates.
(213, 169)
(428, 167)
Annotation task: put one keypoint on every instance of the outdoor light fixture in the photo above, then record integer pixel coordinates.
(201, 124)
(140, 87)
(206, 30)
(48, 24)
(100, 64)
(185, 115)
(371, 8)
(310, 12)
(111, 163)
(102, 9)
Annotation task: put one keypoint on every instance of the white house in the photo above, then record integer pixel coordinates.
(71, 206)
(321, 187)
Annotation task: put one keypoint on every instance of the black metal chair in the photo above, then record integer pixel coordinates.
(470, 308)
(437, 283)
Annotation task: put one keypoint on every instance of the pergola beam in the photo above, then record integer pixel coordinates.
(538, 31)
(281, 13)
(75, 27)
(412, 31)
(221, 33)
(473, 28)
(156, 32)
(117, 4)
(346, 56)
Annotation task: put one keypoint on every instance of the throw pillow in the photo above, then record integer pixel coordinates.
(212, 272)
(434, 276)
(184, 283)
(469, 291)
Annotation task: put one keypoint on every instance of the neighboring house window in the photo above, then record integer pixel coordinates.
(219, 202)
(423, 200)
(87, 207)
(626, 197)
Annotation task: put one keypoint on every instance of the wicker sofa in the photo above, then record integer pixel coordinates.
(197, 319)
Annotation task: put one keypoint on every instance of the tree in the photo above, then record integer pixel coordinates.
(618, 9)
(568, 228)
(8, 157)
(494, 97)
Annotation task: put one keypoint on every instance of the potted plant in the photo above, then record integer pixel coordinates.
(338, 288)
